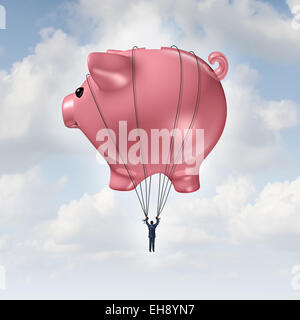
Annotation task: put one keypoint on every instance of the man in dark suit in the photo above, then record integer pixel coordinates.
(151, 236)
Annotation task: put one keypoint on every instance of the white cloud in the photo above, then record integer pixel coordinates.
(234, 214)
(192, 220)
(275, 213)
(87, 217)
(122, 25)
(250, 27)
(292, 3)
(22, 197)
(192, 239)
(251, 139)
(32, 91)
(244, 27)
(281, 114)
(34, 84)
(93, 225)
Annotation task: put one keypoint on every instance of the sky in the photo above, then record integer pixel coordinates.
(65, 235)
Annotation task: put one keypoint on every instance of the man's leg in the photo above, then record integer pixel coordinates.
(150, 244)
(153, 243)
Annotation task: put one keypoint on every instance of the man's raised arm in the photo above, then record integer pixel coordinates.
(157, 221)
(147, 223)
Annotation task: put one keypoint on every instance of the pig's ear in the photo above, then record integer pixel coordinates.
(110, 71)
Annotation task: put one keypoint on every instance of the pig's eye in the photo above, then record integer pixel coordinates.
(79, 92)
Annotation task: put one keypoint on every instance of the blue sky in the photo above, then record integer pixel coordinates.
(64, 234)
(24, 20)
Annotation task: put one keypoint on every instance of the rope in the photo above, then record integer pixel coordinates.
(138, 127)
(163, 190)
(158, 193)
(150, 182)
(169, 184)
(127, 169)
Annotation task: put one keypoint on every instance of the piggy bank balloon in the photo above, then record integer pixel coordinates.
(151, 111)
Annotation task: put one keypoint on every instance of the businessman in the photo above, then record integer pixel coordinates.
(151, 236)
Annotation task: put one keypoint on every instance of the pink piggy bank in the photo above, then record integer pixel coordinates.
(138, 107)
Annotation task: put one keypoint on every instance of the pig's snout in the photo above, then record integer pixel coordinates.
(68, 111)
